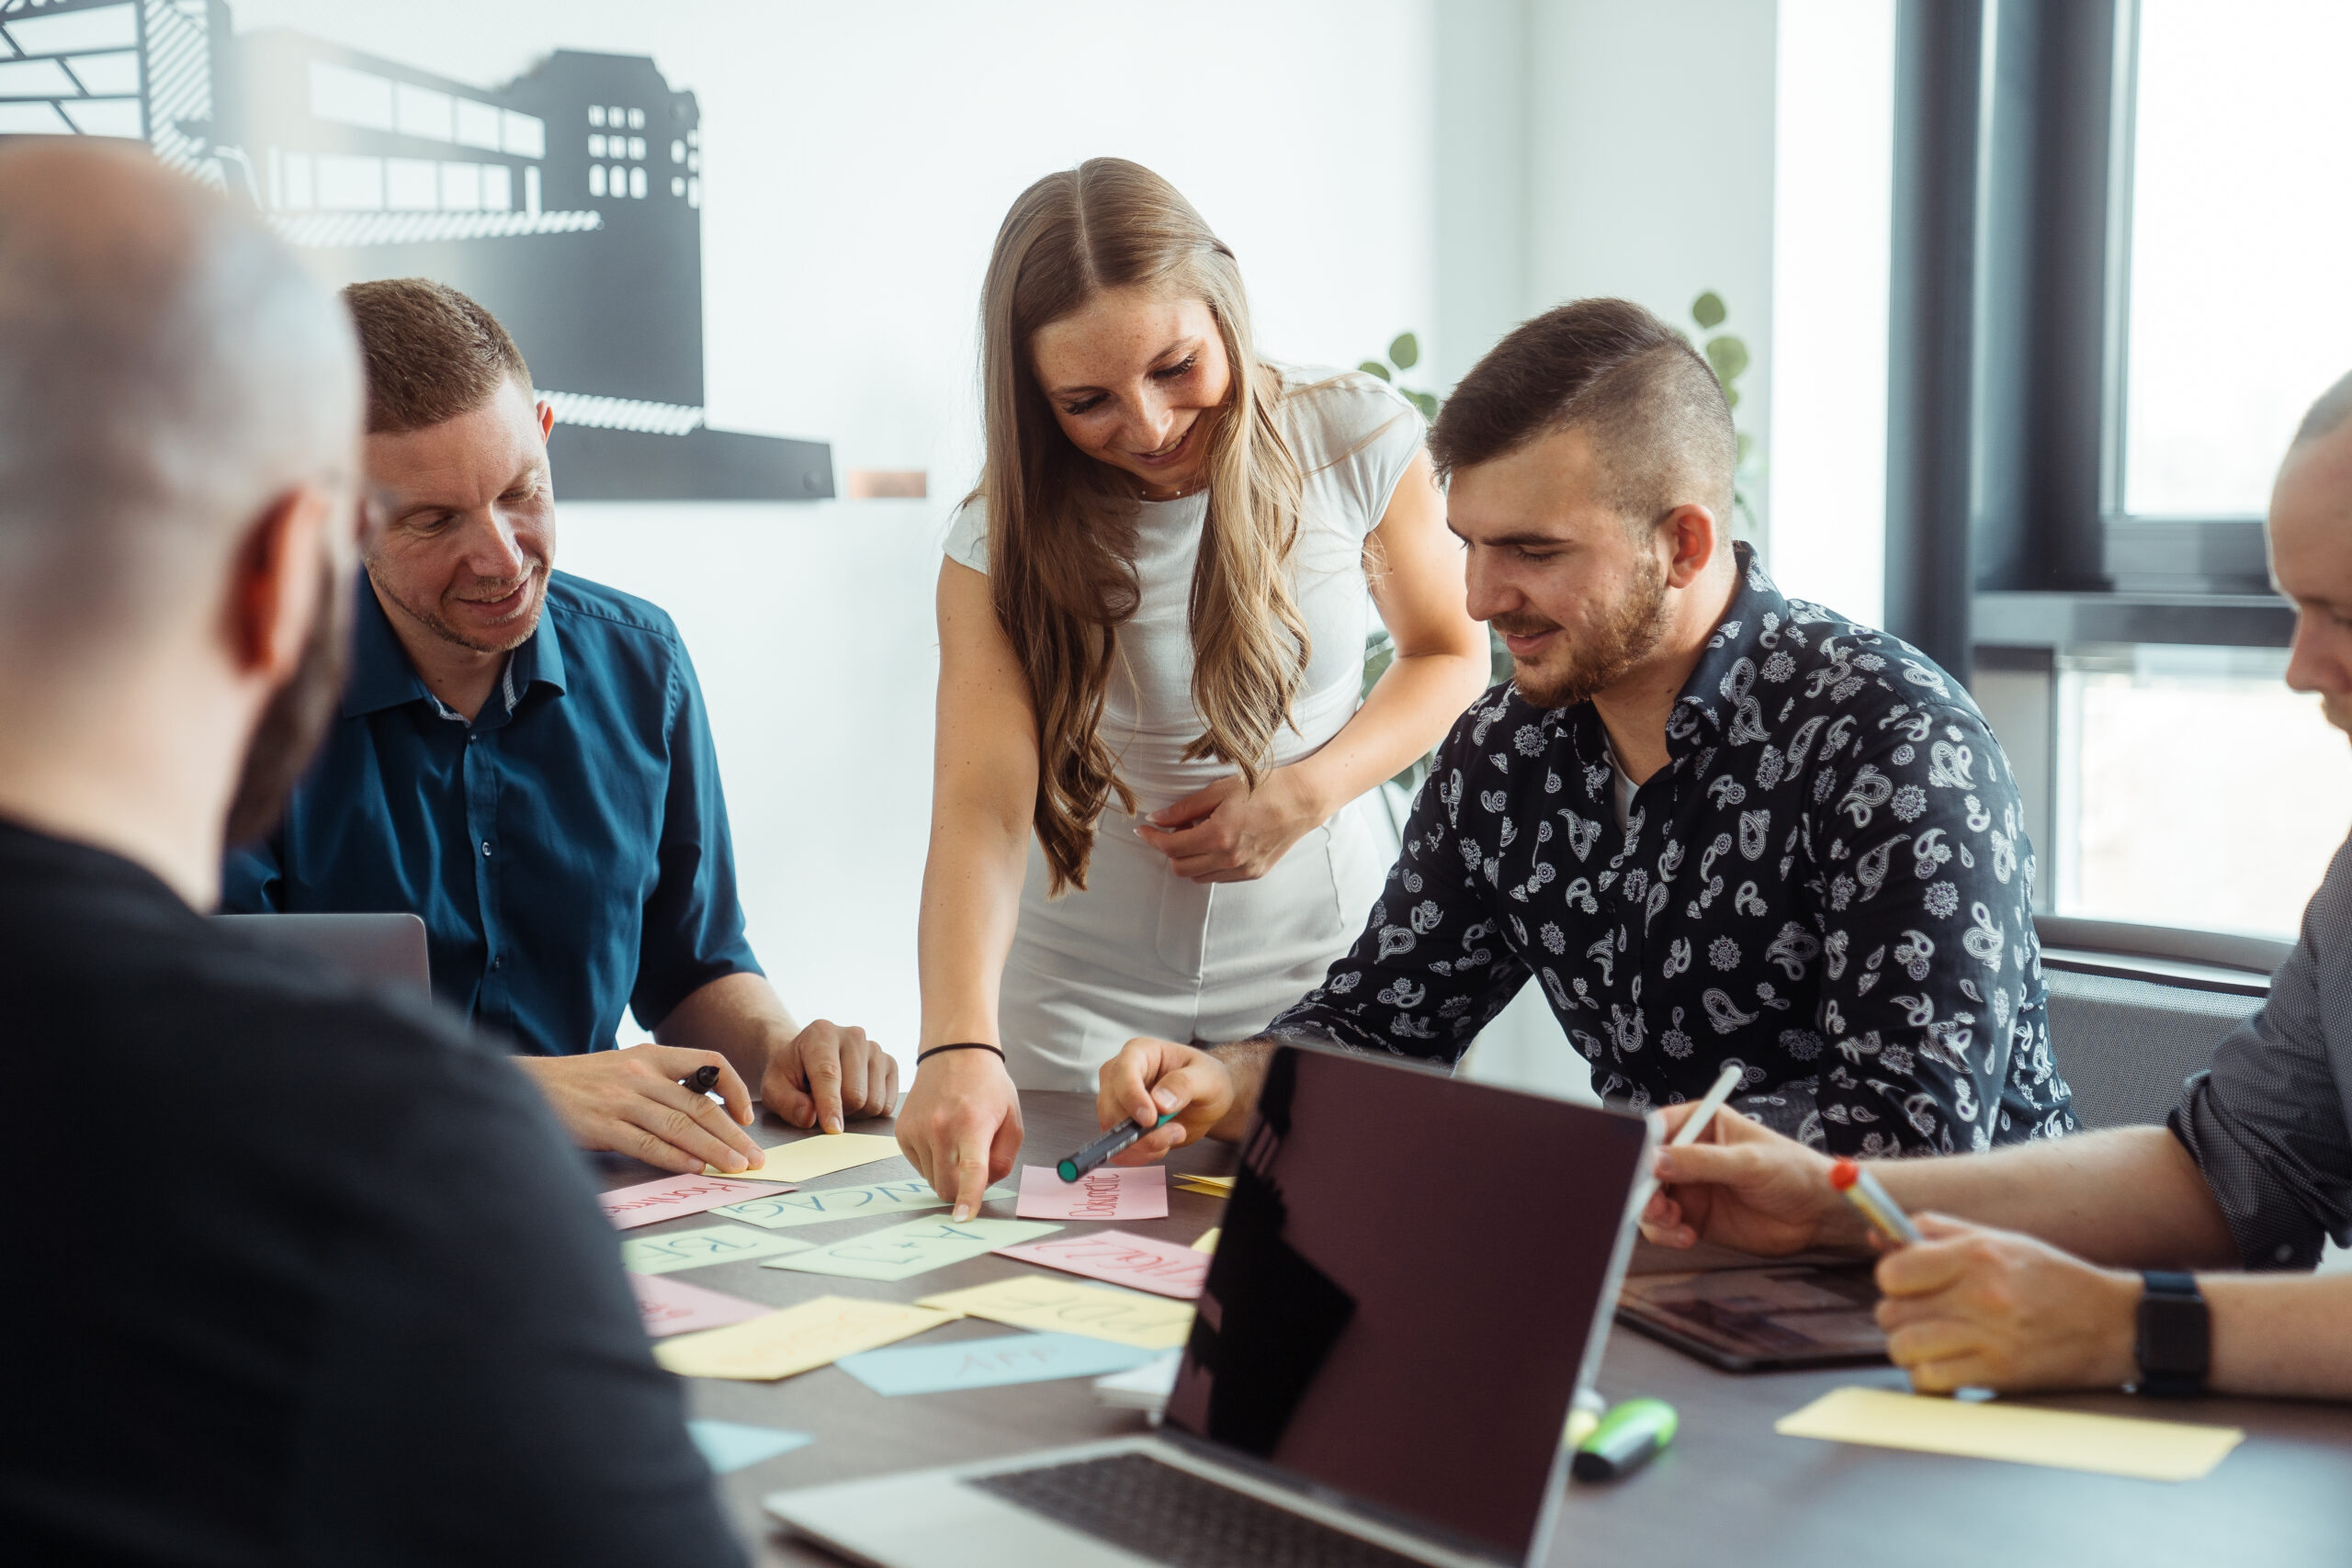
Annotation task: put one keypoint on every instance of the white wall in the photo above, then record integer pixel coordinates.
(1832, 201)
(857, 161)
(1650, 164)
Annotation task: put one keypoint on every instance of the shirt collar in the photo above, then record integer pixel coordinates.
(1718, 682)
(382, 677)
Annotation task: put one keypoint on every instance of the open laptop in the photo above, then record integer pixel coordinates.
(1413, 1281)
(374, 950)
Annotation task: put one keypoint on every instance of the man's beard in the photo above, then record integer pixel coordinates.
(1629, 633)
(297, 716)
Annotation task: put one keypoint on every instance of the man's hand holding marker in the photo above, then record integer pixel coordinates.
(1965, 1306)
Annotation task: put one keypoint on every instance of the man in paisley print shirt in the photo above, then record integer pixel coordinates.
(1717, 825)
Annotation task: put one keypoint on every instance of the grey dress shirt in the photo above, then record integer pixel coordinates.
(2266, 1124)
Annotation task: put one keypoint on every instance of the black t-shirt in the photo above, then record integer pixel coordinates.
(297, 1273)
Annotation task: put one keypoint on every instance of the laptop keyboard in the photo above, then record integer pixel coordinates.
(1172, 1516)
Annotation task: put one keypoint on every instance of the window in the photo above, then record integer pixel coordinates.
(2086, 411)
(2239, 233)
(2201, 791)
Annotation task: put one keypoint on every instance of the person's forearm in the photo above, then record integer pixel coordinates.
(2281, 1333)
(2130, 1196)
(971, 904)
(739, 1016)
(1408, 711)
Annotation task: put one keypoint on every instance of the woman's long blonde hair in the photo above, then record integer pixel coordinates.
(1061, 526)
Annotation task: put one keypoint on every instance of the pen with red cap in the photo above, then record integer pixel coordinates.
(1862, 1190)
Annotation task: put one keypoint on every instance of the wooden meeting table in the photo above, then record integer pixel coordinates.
(1729, 1492)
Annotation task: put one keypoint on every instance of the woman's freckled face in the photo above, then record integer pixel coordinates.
(1135, 380)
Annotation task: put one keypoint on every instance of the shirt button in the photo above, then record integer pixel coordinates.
(497, 962)
(485, 846)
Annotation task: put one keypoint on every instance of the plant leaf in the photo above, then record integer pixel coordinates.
(1728, 354)
(1708, 310)
(1375, 368)
(1406, 352)
(1743, 447)
(1424, 402)
(1731, 397)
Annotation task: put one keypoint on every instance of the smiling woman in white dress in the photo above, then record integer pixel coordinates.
(1147, 809)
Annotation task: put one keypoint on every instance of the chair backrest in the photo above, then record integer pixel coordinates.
(2126, 1046)
(375, 950)
(2136, 1010)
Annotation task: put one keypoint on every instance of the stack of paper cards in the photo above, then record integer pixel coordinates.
(1057, 1306)
(1207, 1185)
(697, 1248)
(1163, 1268)
(989, 1363)
(673, 1306)
(1206, 1242)
(795, 1339)
(918, 1247)
(728, 1446)
(1106, 1192)
(820, 1154)
(782, 1211)
(672, 1198)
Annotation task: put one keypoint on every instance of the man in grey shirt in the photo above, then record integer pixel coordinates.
(2254, 1169)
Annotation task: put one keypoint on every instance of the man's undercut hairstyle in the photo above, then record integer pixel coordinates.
(2327, 415)
(431, 353)
(1656, 415)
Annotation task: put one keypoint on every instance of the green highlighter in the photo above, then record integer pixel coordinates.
(1625, 1440)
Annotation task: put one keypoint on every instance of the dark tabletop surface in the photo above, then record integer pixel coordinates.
(1729, 1492)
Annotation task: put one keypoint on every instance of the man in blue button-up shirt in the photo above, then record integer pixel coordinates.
(524, 761)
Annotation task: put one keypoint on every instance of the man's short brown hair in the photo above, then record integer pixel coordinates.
(432, 354)
(1656, 412)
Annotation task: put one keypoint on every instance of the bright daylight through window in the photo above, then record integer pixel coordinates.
(2199, 791)
(2241, 312)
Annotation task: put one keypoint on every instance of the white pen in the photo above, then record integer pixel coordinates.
(1701, 1120)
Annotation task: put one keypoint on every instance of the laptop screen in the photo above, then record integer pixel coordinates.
(1410, 1276)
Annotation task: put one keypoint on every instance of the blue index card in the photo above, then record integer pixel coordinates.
(989, 1363)
(731, 1445)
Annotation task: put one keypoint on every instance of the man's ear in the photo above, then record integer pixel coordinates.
(546, 422)
(1694, 540)
(273, 584)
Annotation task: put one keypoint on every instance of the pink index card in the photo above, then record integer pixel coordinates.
(673, 1195)
(1106, 1192)
(1163, 1268)
(671, 1306)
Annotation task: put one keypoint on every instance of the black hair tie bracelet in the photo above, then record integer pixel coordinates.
(923, 1056)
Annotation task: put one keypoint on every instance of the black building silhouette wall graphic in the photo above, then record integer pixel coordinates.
(567, 201)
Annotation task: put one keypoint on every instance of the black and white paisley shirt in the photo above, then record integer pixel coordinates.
(1829, 883)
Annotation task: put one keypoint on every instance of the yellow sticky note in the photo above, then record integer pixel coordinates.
(2020, 1434)
(1208, 1239)
(819, 1156)
(1050, 1306)
(794, 1340)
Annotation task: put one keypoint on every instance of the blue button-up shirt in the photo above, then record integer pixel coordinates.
(567, 850)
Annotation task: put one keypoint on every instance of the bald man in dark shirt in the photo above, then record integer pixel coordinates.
(302, 1275)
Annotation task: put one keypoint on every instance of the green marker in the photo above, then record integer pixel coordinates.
(1104, 1148)
(1627, 1438)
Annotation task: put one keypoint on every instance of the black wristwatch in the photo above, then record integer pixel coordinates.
(2176, 1340)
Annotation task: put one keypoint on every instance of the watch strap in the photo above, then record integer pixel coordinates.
(2173, 1346)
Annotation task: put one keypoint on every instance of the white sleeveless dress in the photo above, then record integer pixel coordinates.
(1143, 951)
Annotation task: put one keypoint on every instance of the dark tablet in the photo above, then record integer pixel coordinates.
(1763, 1319)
